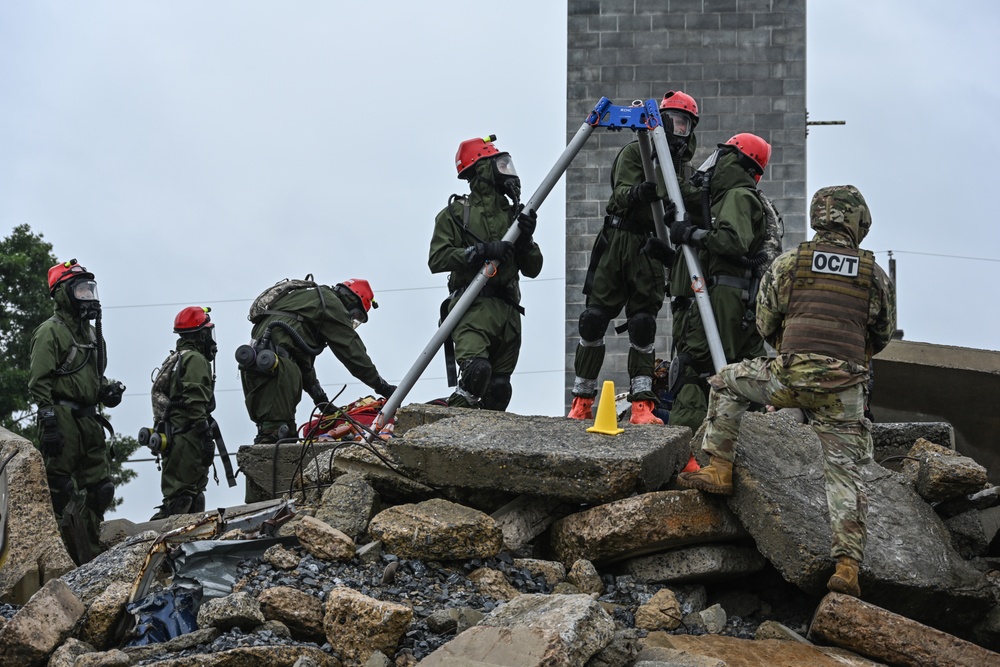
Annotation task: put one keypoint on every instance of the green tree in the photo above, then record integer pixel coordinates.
(125, 447)
(25, 259)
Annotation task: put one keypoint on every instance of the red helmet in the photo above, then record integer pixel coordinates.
(361, 289)
(472, 151)
(754, 148)
(675, 99)
(62, 272)
(191, 319)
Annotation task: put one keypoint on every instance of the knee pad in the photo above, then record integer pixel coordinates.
(100, 496)
(593, 324)
(61, 490)
(198, 504)
(498, 393)
(642, 331)
(476, 373)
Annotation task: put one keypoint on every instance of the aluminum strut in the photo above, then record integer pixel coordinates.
(698, 284)
(489, 268)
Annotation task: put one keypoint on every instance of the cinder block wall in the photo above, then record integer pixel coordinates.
(744, 61)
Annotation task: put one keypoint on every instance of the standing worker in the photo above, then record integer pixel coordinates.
(729, 242)
(68, 359)
(183, 401)
(468, 233)
(627, 268)
(293, 322)
(826, 307)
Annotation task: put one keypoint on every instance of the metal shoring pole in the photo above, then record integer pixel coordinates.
(649, 171)
(489, 270)
(698, 284)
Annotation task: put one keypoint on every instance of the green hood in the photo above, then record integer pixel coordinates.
(840, 213)
(730, 174)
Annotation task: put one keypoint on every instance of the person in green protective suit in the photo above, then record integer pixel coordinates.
(826, 307)
(468, 233)
(727, 247)
(287, 338)
(184, 398)
(66, 381)
(627, 268)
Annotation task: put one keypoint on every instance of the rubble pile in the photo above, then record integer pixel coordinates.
(490, 538)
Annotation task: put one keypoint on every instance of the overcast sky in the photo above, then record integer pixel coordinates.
(194, 153)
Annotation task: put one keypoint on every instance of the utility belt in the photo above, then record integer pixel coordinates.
(89, 412)
(748, 292)
(601, 244)
(489, 290)
(79, 411)
(618, 222)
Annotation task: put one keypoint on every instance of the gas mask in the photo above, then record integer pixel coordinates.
(83, 296)
(209, 345)
(505, 178)
(679, 127)
(358, 317)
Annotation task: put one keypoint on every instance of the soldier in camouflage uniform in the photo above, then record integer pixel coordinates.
(826, 307)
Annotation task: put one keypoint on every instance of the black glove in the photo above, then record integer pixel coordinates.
(207, 443)
(682, 232)
(643, 193)
(383, 388)
(669, 211)
(317, 394)
(51, 439)
(659, 250)
(502, 251)
(527, 223)
(111, 393)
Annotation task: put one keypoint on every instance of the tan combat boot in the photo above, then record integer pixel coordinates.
(845, 579)
(716, 477)
(582, 408)
(642, 413)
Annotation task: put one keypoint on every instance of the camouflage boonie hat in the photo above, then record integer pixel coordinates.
(840, 208)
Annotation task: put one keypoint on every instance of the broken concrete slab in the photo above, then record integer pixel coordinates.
(549, 457)
(940, 474)
(753, 653)
(924, 382)
(641, 525)
(40, 626)
(892, 440)
(348, 505)
(525, 518)
(882, 635)
(35, 553)
(436, 530)
(910, 566)
(703, 563)
(272, 470)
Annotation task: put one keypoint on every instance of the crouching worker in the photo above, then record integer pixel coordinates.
(826, 307)
(294, 321)
(183, 401)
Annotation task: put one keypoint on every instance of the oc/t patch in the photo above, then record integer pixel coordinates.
(837, 264)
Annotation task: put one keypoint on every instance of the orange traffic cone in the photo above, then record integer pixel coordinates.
(607, 416)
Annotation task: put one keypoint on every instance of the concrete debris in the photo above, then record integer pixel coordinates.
(882, 635)
(489, 538)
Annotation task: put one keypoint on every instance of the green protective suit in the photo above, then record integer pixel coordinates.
(619, 277)
(321, 318)
(491, 328)
(77, 473)
(737, 230)
(191, 391)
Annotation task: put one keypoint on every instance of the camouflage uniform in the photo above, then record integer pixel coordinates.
(830, 391)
